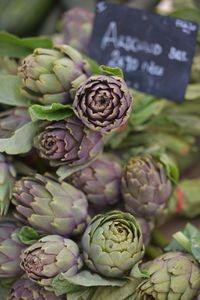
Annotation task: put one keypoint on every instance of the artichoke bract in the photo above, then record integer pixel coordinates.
(10, 250)
(53, 75)
(49, 206)
(68, 142)
(112, 244)
(173, 276)
(26, 289)
(145, 186)
(50, 256)
(100, 181)
(7, 180)
(78, 28)
(103, 103)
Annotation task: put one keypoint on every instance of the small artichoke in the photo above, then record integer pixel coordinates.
(103, 103)
(146, 226)
(52, 75)
(78, 28)
(145, 186)
(68, 142)
(26, 289)
(49, 206)
(173, 276)
(50, 256)
(112, 244)
(11, 120)
(10, 250)
(100, 181)
(7, 180)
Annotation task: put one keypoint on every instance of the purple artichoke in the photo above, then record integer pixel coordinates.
(10, 250)
(50, 256)
(69, 142)
(53, 75)
(103, 103)
(100, 181)
(49, 206)
(26, 289)
(77, 28)
(145, 186)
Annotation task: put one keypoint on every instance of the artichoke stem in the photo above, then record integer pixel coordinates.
(151, 252)
(158, 239)
(183, 241)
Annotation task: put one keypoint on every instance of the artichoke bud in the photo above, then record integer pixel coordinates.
(103, 103)
(53, 75)
(112, 244)
(49, 257)
(146, 187)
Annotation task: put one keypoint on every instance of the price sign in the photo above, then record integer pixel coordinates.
(154, 51)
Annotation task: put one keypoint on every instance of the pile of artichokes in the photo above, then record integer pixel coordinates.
(76, 218)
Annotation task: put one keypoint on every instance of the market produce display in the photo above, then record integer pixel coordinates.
(89, 171)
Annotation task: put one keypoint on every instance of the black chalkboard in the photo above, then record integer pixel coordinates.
(154, 51)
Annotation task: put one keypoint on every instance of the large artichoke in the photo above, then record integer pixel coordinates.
(112, 244)
(103, 103)
(26, 289)
(173, 276)
(145, 186)
(52, 75)
(100, 181)
(10, 250)
(7, 180)
(78, 28)
(50, 256)
(69, 142)
(50, 206)
(11, 120)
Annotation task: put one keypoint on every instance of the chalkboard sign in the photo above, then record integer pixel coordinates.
(154, 51)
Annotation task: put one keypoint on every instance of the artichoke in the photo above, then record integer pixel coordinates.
(49, 206)
(7, 180)
(11, 120)
(52, 75)
(145, 186)
(26, 289)
(173, 276)
(50, 256)
(68, 142)
(100, 181)
(112, 244)
(10, 250)
(103, 103)
(78, 28)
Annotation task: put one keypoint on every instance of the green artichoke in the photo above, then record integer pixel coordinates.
(173, 276)
(112, 244)
(68, 142)
(50, 256)
(53, 75)
(145, 186)
(78, 28)
(100, 181)
(26, 289)
(10, 250)
(103, 103)
(49, 206)
(7, 180)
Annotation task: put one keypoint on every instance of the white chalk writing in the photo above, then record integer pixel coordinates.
(128, 43)
(177, 54)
